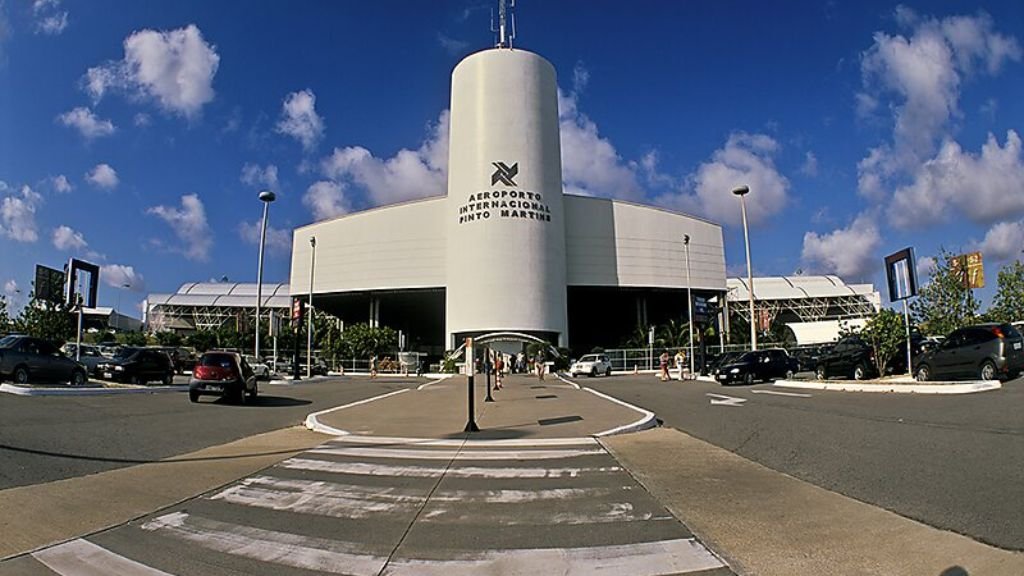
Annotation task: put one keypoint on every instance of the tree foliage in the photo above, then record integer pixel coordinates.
(943, 304)
(168, 338)
(886, 333)
(50, 321)
(1008, 304)
(5, 319)
(363, 341)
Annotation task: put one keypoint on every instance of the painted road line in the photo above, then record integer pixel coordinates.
(396, 441)
(314, 424)
(602, 513)
(646, 420)
(643, 559)
(362, 469)
(270, 546)
(83, 558)
(777, 393)
(409, 454)
(723, 400)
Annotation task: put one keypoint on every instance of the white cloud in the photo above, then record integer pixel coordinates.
(189, 225)
(326, 199)
(61, 184)
(810, 165)
(255, 176)
(119, 275)
(407, 175)
(451, 45)
(68, 239)
(922, 74)
(53, 24)
(174, 68)
(591, 166)
(925, 267)
(746, 159)
(87, 123)
(300, 120)
(278, 240)
(848, 252)
(18, 215)
(1004, 241)
(10, 287)
(103, 176)
(141, 120)
(984, 188)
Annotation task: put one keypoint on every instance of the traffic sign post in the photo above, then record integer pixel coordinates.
(470, 369)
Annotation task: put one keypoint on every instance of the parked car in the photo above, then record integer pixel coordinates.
(181, 358)
(722, 359)
(224, 374)
(758, 365)
(851, 357)
(24, 359)
(259, 368)
(808, 356)
(90, 356)
(319, 367)
(139, 366)
(984, 351)
(592, 365)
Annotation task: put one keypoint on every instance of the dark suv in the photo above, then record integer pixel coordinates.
(851, 357)
(24, 359)
(984, 351)
(138, 366)
(763, 365)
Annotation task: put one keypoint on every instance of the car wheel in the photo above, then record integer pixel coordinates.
(789, 374)
(592, 373)
(987, 371)
(821, 373)
(240, 395)
(254, 392)
(137, 380)
(923, 374)
(168, 378)
(860, 372)
(193, 396)
(78, 378)
(608, 372)
(21, 375)
(748, 379)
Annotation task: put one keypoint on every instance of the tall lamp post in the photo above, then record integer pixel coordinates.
(742, 191)
(309, 315)
(689, 297)
(266, 197)
(117, 311)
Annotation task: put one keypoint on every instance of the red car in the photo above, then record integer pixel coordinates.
(224, 374)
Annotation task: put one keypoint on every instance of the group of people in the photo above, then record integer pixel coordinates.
(679, 361)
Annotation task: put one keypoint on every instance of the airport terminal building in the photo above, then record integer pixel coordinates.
(505, 250)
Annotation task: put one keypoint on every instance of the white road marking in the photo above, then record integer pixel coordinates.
(412, 454)
(644, 559)
(777, 393)
(396, 441)
(723, 400)
(359, 468)
(313, 423)
(83, 558)
(270, 546)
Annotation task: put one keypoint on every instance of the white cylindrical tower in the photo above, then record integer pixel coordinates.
(506, 226)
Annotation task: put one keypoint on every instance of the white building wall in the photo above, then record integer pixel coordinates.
(615, 243)
(395, 247)
(506, 256)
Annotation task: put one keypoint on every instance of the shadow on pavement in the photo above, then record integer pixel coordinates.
(265, 401)
(171, 460)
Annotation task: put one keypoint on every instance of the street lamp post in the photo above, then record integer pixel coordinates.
(309, 315)
(117, 311)
(742, 191)
(689, 297)
(266, 197)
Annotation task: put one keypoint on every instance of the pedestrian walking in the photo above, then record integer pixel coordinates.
(538, 363)
(663, 363)
(680, 360)
(520, 363)
(499, 367)
(373, 366)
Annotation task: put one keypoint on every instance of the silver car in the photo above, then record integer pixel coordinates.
(259, 368)
(592, 365)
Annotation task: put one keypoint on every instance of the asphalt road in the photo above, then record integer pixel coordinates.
(47, 438)
(950, 461)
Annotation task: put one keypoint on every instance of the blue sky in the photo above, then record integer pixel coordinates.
(138, 134)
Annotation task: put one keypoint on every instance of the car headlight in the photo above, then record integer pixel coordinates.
(119, 368)
(734, 371)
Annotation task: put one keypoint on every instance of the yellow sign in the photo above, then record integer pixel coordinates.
(969, 269)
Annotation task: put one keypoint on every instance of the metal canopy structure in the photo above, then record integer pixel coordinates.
(209, 305)
(804, 298)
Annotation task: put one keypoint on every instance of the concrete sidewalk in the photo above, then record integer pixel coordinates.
(526, 408)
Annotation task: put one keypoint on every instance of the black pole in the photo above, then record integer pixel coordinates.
(487, 368)
(295, 348)
(471, 423)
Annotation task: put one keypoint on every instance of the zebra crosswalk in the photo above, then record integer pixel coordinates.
(360, 506)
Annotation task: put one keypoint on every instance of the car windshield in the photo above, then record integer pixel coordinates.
(125, 353)
(8, 341)
(216, 360)
(589, 358)
(747, 357)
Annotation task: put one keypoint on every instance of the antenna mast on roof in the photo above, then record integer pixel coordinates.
(506, 23)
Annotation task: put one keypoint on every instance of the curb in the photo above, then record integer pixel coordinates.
(314, 424)
(91, 391)
(951, 388)
(648, 420)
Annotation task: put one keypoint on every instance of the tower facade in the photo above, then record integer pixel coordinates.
(506, 265)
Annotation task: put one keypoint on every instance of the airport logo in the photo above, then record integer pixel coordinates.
(504, 174)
